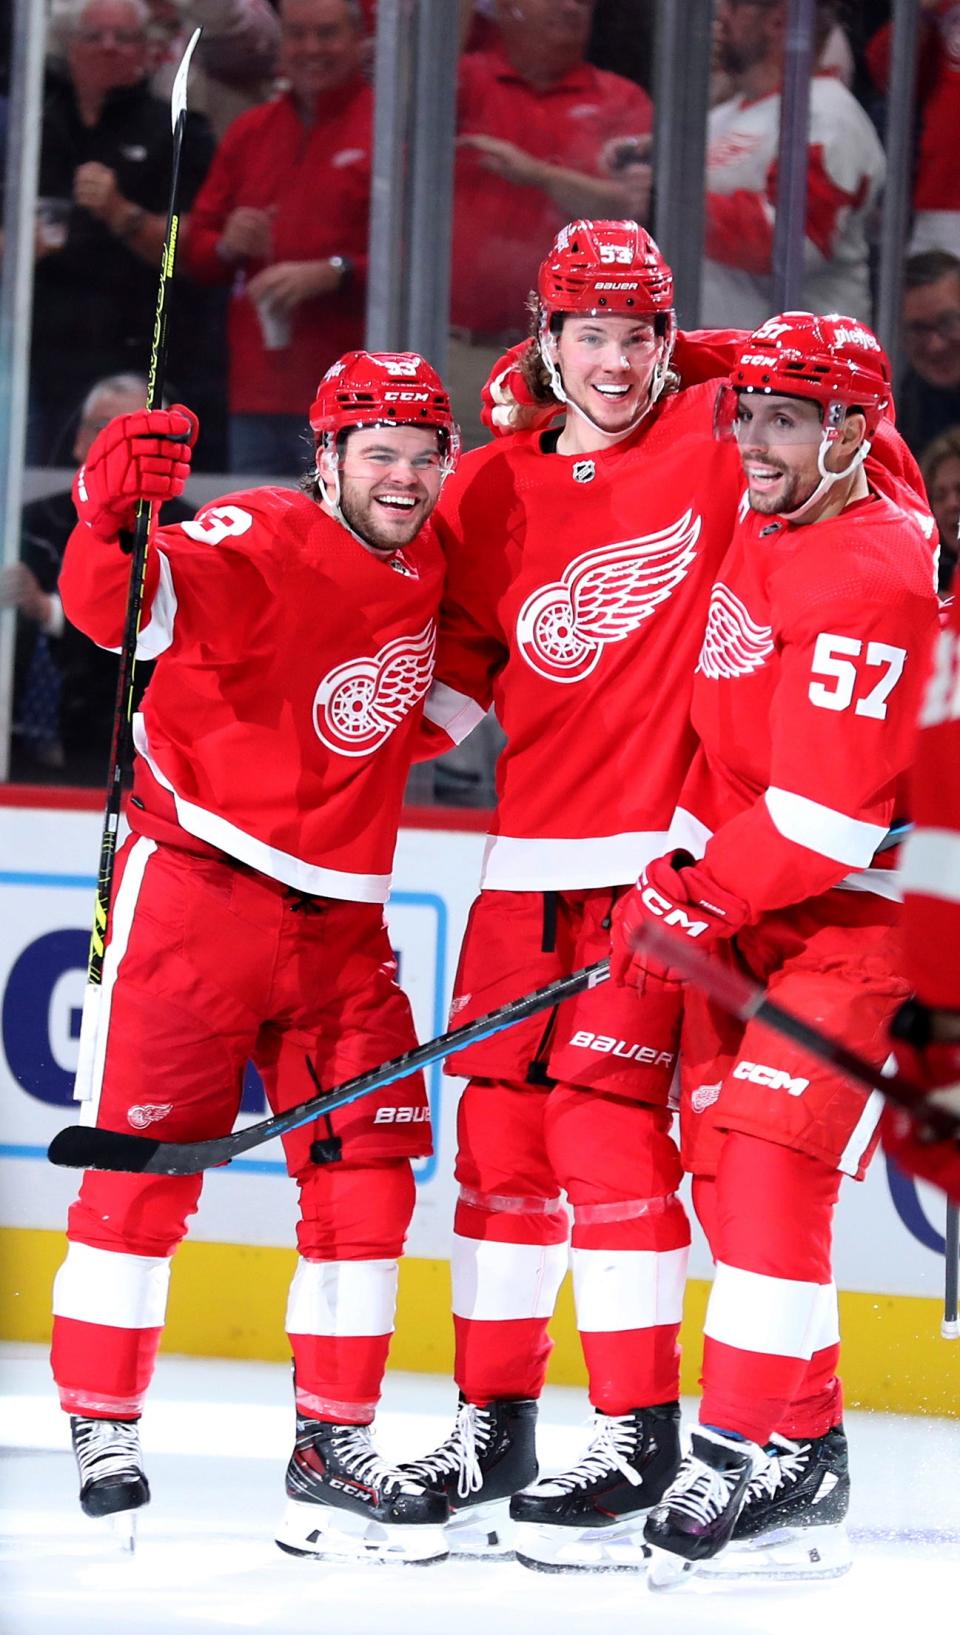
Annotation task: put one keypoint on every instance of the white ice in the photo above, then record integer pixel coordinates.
(217, 1436)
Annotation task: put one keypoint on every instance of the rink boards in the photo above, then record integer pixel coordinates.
(229, 1283)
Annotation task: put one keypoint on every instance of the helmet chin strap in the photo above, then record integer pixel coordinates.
(658, 381)
(827, 478)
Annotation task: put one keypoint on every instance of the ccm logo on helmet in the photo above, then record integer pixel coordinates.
(401, 1115)
(774, 1078)
(406, 397)
(670, 915)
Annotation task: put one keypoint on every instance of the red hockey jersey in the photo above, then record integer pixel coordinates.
(804, 702)
(576, 596)
(279, 723)
(930, 875)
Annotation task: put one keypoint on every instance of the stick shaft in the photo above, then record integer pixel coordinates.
(80, 1146)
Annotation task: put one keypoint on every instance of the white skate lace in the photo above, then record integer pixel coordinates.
(460, 1454)
(699, 1491)
(360, 1459)
(780, 1470)
(610, 1450)
(106, 1447)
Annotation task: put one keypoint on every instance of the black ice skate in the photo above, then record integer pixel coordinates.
(699, 1510)
(489, 1454)
(347, 1503)
(792, 1524)
(591, 1517)
(112, 1482)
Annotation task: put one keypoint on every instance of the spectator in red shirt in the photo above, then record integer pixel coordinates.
(282, 218)
(936, 196)
(537, 128)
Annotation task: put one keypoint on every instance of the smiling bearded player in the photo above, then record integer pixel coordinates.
(804, 702)
(294, 637)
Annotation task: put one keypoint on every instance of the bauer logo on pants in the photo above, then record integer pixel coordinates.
(359, 704)
(603, 596)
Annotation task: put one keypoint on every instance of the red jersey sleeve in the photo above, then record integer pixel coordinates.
(853, 635)
(471, 647)
(931, 861)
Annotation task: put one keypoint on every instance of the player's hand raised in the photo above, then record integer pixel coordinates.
(143, 456)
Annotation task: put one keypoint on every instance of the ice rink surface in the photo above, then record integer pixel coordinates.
(217, 1437)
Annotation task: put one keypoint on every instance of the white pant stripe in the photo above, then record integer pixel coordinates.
(95, 1024)
(343, 1298)
(497, 1282)
(775, 1316)
(117, 1290)
(619, 1289)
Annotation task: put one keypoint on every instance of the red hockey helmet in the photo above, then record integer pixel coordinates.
(606, 268)
(384, 388)
(836, 361)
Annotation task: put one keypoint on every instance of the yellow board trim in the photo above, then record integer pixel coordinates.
(228, 1300)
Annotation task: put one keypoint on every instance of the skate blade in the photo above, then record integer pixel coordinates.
(788, 1553)
(338, 1535)
(619, 1548)
(666, 1571)
(481, 1531)
(123, 1526)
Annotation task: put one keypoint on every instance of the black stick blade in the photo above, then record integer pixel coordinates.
(80, 1146)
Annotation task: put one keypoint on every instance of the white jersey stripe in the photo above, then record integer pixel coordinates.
(931, 864)
(157, 635)
(342, 1297)
(514, 864)
(117, 1290)
(620, 1289)
(277, 865)
(822, 829)
(456, 713)
(499, 1282)
(775, 1316)
(95, 1023)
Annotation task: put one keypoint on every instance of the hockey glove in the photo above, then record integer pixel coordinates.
(508, 403)
(933, 1065)
(676, 894)
(143, 456)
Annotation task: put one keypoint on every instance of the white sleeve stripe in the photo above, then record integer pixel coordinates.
(455, 712)
(822, 829)
(155, 636)
(931, 864)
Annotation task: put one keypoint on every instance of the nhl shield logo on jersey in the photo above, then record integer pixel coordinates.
(584, 471)
(733, 644)
(603, 596)
(359, 704)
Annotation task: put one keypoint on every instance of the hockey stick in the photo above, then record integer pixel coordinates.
(950, 1327)
(743, 997)
(123, 707)
(83, 1147)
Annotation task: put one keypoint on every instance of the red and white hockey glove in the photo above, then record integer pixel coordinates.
(933, 1065)
(143, 456)
(508, 403)
(676, 894)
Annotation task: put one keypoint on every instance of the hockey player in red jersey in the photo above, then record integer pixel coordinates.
(294, 636)
(926, 1030)
(580, 561)
(804, 701)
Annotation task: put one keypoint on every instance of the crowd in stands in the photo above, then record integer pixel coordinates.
(555, 120)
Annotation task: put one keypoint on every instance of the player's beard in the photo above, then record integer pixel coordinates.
(367, 519)
(788, 495)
